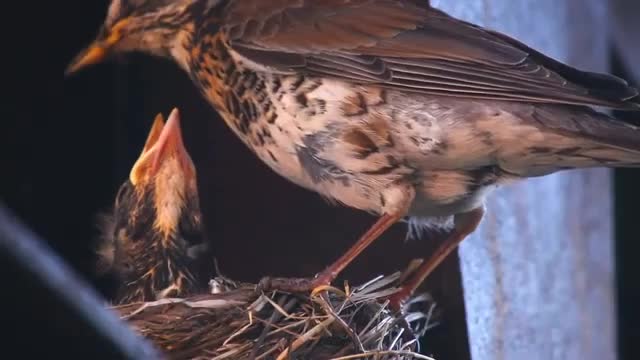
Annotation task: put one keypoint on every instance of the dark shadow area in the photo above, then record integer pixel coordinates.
(627, 199)
(70, 304)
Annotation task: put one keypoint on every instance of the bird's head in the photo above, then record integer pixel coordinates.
(149, 26)
(155, 242)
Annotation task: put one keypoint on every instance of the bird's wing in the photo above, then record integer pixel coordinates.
(410, 46)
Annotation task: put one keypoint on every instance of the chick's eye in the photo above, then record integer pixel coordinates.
(126, 267)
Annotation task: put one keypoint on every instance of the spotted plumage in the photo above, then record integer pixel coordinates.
(391, 107)
(153, 240)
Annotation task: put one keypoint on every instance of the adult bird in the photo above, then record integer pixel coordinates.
(388, 106)
(153, 241)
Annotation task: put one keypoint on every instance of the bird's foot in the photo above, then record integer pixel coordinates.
(399, 298)
(294, 285)
(465, 224)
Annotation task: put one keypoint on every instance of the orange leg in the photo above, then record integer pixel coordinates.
(465, 224)
(330, 273)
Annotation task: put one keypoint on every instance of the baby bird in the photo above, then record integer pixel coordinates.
(154, 240)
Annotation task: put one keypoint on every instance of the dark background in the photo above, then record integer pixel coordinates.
(66, 150)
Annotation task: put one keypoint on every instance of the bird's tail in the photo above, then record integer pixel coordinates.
(579, 137)
(610, 142)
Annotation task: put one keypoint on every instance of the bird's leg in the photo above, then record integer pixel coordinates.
(464, 224)
(331, 272)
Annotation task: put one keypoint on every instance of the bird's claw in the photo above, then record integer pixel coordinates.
(397, 300)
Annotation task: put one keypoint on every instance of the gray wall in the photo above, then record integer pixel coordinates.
(538, 275)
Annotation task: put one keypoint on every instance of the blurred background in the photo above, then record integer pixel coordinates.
(66, 150)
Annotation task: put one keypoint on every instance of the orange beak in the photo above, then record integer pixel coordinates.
(154, 133)
(163, 143)
(99, 49)
(89, 56)
(170, 143)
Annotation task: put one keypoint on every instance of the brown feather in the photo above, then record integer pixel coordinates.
(408, 45)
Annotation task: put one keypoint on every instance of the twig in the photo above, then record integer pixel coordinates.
(274, 317)
(281, 310)
(327, 307)
(305, 337)
(278, 324)
(382, 353)
(152, 304)
(241, 330)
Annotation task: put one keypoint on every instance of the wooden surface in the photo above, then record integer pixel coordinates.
(538, 275)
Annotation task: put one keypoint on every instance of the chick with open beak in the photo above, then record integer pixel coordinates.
(154, 239)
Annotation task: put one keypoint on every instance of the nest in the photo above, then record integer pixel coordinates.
(236, 322)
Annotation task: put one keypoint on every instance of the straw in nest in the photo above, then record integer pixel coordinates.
(237, 322)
